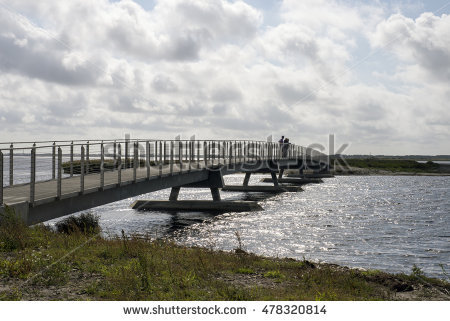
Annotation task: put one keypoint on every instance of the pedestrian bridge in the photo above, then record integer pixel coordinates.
(45, 180)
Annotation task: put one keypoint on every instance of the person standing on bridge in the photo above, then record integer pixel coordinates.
(285, 148)
(281, 142)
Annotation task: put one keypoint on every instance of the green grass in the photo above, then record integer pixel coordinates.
(89, 267)
(393, 165)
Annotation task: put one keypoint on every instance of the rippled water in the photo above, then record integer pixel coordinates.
(380, 222)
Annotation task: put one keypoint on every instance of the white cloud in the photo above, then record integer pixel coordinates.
(211, 68)
(422, 43)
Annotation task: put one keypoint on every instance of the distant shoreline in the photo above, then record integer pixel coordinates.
(363, 172)
(388, 167)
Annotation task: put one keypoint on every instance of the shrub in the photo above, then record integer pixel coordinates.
(274, 275)
(13, 231)
(245, 271)
(86, 223)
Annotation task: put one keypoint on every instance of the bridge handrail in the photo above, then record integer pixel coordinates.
(83, 141)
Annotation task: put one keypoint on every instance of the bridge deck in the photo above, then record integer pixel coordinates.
(70, 186)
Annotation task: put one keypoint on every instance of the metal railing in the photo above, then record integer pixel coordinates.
(130, 160)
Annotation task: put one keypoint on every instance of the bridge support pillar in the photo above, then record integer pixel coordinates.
(215, 194)
(174, 193)
(214, 182)
(247, 178)
(274, 179)
(277, 188)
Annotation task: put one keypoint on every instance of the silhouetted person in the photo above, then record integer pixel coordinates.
(281, 142)
(285, 147)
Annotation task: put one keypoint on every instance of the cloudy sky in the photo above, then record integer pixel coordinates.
(374, 73)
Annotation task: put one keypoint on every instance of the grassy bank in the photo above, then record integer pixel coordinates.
(77, 264)
(387, 166)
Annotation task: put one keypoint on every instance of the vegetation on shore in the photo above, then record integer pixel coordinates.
(38, 263)
(380, 166)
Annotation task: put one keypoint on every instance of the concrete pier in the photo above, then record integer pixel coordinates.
(261, 189)
(315, 175)
(296, 181)
(197, 205)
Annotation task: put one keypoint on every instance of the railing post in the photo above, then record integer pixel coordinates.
(254, 150)
(59, 177)
(198, 154)
(225, 152)
(1, 178)
(262, 151)
(155, 152)
(171, 157)
(126, 154)
(102, 167)
(192, 151)
(219, 152)
(119, 165)
(205, 148)
(180, 155)
(230, 152)
(114, 152)
(135, 161)
(11, 165)
(82, 171)
(189, 155)
(251, 151)
(87, 157)
(160, 159)
(223, 148)
(164, 151)
(54, 160)
(71, 159)
(147, 158)
(33, 174)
